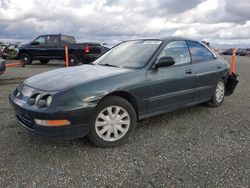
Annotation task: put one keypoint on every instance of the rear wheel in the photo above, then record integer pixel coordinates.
(113, 123)
(25, 59)
(218, 95)
(73, 60)
(44, 61)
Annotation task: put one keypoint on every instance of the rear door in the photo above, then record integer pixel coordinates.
(173, 86)
(208, 70)
(52, 47)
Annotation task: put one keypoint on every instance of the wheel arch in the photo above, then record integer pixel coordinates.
(23, 52)
(127, 96)
(224, 77)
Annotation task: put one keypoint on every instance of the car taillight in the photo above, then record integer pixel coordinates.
(86, 49)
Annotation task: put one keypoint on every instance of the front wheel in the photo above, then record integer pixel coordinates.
(113, 123)
(218, 95)
(25, 59)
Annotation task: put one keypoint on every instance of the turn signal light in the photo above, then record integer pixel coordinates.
(52, 123)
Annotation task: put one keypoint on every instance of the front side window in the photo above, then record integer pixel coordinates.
(199, 52)
(130, 54)
(40, 39)
(178, 50)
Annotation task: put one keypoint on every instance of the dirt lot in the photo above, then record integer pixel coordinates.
(195, 147)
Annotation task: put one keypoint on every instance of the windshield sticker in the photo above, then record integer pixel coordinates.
(152, 42)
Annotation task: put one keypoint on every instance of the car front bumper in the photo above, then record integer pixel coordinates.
(80, 119)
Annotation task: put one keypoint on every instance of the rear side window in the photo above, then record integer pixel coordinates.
(178, 50)
(199, 52)
(52, 39)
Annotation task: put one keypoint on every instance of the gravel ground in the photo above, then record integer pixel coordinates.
(194, 147)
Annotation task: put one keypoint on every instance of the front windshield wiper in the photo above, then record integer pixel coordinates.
(126, 67)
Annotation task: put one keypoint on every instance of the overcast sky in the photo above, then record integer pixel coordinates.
(222, 22)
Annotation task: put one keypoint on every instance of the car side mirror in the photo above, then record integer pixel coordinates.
(34, 43)
(164, 62)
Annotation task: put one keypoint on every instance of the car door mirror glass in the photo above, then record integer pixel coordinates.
(164, 62)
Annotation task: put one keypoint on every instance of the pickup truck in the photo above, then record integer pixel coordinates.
(51, 47)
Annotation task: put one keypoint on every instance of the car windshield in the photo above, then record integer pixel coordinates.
(130, 54)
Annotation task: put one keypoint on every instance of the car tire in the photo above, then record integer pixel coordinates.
(73, 61)
(44, 61)
(113, 122)
(218, 94)
(25, 59)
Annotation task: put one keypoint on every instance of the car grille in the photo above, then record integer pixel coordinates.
(25, 120)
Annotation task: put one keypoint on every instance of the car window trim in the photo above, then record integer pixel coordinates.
(203, 60)
(173, 66)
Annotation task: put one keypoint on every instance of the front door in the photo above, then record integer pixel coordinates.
(171, 87)
(37, 47)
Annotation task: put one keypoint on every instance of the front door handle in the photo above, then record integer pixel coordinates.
(188, 71)
(219, 66)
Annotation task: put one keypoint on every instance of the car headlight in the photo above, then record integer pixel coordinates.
(44, 101)
(48, 100)
(37, 99)
(40, 101)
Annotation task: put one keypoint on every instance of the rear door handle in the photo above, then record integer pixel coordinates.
(188, 71)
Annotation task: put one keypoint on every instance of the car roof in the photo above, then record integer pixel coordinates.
(56, 35)
(165, 39)
(172, 38)
(175, 38)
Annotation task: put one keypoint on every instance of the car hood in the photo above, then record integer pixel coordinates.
(24, 46)
(65, 78)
